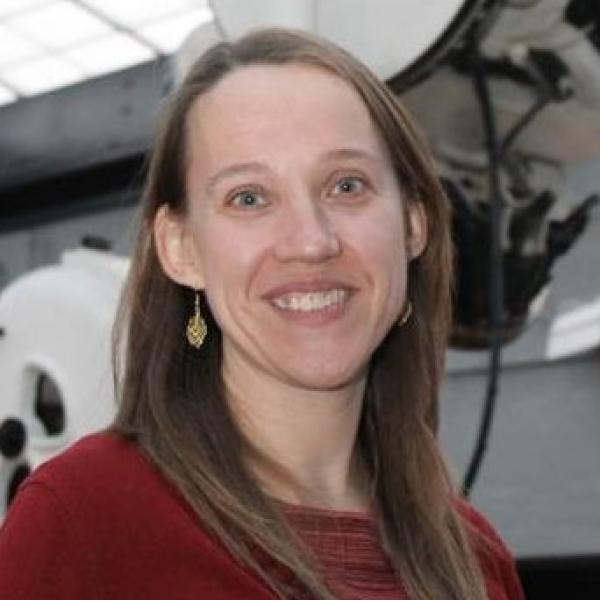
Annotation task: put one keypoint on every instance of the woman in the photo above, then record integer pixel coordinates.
(284, 324)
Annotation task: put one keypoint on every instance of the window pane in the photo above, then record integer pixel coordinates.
(133, 12)
(41, 75)
(60, 25)
(112, 53)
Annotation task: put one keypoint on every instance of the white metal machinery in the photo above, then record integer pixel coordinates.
(410, 36)
(542, 62)
(387, 35)
(55, 357)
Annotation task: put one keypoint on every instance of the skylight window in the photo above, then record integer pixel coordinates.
(59, 25)
(6, 96)
(14, 47)
(42, 75)
(133, 12)
(45, 44)
(111, 53)
(14, 7)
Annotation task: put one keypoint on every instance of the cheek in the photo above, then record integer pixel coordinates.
(380, 239)
(229, 259)
(383, 251)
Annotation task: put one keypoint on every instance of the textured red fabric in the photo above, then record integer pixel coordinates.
(99, 522)
(346, 544)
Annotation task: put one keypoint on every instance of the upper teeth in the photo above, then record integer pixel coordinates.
(310, 300)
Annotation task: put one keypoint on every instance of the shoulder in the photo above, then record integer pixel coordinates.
(100, 453)
(40, 533)
(96, 465)
(481, 526)
(104, 473)
(496, 559)
(101, 519)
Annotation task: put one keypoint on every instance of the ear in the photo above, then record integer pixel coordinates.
(175, 249)
(416, 229)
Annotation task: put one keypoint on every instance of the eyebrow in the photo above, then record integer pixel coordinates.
(254, 166)
(232, 170)
(359, 153)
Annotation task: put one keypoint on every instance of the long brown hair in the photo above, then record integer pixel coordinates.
(172, 399)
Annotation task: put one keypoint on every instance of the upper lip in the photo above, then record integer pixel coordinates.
(303, 286)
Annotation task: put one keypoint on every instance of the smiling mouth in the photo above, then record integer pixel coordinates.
(307, 302)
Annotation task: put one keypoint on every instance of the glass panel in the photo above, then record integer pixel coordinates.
(133, 12)
(41, 75)
(14, 7)
(6, 96)
(112, 53)
(14, 47)
(60, 25)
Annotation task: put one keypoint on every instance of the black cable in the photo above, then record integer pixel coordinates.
(546, 94)
(520, 125)
(496, 271)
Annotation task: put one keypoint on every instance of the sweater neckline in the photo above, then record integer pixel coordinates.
(317, 511)
(348, 546)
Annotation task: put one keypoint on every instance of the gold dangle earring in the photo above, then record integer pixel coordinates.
(405, 314)
(196, 328)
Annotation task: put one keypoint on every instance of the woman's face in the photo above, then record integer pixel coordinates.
(295, 228)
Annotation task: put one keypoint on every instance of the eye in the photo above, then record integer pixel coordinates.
(246, 199)
(349, 186)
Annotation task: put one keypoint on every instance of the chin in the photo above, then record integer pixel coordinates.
(325, 377)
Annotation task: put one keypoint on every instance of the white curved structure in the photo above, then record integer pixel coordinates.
(57, 324)
(404, 31)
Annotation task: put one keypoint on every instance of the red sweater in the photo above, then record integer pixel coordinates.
(99, 522)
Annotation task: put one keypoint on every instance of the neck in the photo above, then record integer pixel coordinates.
(303, 439)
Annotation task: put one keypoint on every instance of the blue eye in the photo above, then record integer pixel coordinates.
(247, 199)
(349, 186)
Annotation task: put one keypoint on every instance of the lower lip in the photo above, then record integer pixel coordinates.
(314, 318)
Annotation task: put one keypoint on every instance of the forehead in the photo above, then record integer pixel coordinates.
(261, 108)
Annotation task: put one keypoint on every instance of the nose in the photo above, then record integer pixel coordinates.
(306, 233)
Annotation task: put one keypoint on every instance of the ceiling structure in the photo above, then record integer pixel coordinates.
(48, 44)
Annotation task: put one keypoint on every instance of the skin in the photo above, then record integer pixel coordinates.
(290, 189)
